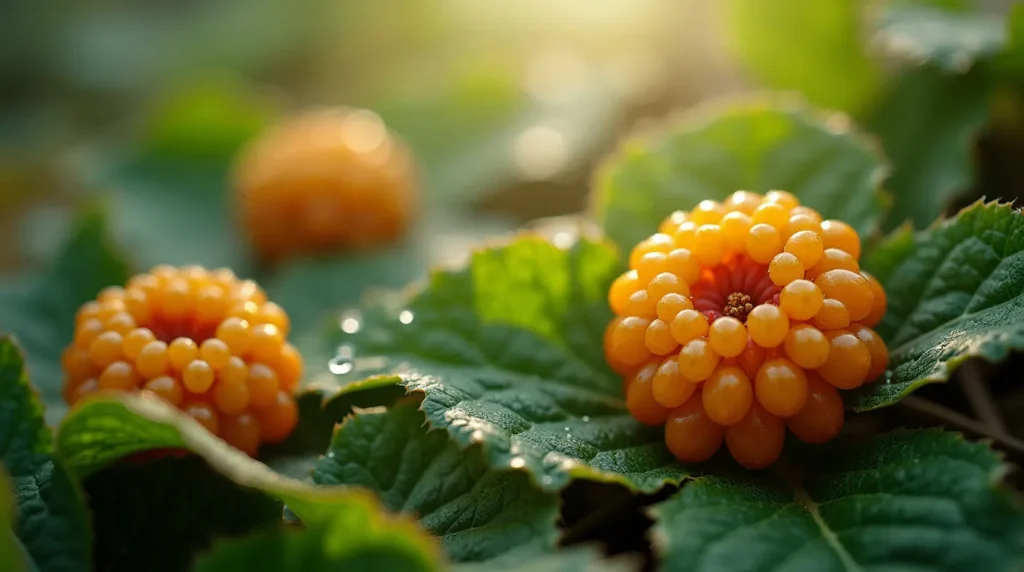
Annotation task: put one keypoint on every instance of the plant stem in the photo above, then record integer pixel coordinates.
(964, 423)
(978, 395)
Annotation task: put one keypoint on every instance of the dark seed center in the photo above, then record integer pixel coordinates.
(737, 305)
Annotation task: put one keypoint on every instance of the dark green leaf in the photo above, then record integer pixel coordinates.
(927, 123)
(950, 39)
(354, 537)
(158, 516)
(50, 522)
(710, 153)
(13, 554)
(572, 559)
(41, 310)
(508, 354)
(805, 45)
(105, 429)
(908, 500)
(954, 292)
(478, 512)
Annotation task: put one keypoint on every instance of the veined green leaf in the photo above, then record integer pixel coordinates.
(105, 429)
(508, 354)
(478, 512)
(355, 536)
(907, 500)
(50, 520)
(40, 311)
(159, 515)
(954, 292)
(711, 152)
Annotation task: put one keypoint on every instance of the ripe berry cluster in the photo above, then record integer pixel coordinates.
(739, 319)
(204, 341)
(324, 180)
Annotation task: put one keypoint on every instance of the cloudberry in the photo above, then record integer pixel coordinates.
(735, 320)
(324, 180)
(181, 340)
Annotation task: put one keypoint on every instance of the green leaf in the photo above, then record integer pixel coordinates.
(50, 523)
(108, 428)
(355, 537)
(477, 512)
(805, 45)
(954, 292)
(950, 39)
(507, 352)
(13, 554)
(158, 516)
(927, 123)
(571, 559)
(710, 153)
(41, 309)
(907, 500)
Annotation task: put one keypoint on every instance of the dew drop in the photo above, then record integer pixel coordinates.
(586, 419)
(351, 321)
(546, 480)
(406, 316)
(343, 361)
(567, 429)
(517, 463)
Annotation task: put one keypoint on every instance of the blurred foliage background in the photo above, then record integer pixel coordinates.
(507, 106)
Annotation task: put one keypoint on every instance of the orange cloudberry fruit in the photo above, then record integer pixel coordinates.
(672, 222)
(756, 441)
(735, 227)
(241, 432)
(697, 360)
(849, 360)
(876, 347)
(838, 234)
(727, 395)
(878, 304)
(832, 315)
(781, 387)
(806, 346)
(322, 181)
(801, 299)
(734, 321)
(234, 376)
(671, 389)
(821, 417)
(850, 288)
(767, 325)
(728, 336)
(785, 268)
(832, 259)
(743, 202)
(763, 242)
(640, 399)
(661, 243)
(628, 341)
(690, 434)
